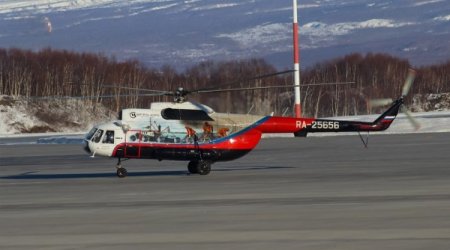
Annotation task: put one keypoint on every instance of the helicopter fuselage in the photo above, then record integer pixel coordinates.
(224, 137)
(195, 133)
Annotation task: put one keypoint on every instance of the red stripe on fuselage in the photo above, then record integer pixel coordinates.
(239, 141)
(284, 124)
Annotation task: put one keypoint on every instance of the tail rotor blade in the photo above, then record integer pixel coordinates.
(408, 83)
(411, 119)
(380, 102)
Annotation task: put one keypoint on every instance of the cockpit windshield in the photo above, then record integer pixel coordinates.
(91, 133)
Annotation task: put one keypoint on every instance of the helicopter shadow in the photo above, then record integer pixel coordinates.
(37, 176)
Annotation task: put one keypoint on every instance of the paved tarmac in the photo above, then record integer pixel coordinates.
(289, 193)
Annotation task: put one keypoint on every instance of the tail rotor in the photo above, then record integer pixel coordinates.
(408, 83)
(405, 90)
(380, 102)
(411, 119)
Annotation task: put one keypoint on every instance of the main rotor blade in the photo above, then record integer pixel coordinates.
(408, 83)
(271, 87)
(89, 97)
(203, 90)
(138, 89)
(322, 84)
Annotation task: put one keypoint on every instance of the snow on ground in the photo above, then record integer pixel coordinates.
(421, 3)
(322, 32)
(269, 33)
(264, 34)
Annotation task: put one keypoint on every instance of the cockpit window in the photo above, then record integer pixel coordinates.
(91, 133)
(109, 137)
(97, 136)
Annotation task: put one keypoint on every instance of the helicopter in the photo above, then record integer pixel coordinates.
(188, 131)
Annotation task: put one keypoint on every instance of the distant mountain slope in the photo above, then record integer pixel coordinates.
(179, 32)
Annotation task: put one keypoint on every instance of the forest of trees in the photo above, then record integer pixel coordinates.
(62, 73)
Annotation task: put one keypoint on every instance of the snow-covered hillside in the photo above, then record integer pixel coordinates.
(18, 116)
(182, 32)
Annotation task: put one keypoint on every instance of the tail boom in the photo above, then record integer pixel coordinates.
(301, 126)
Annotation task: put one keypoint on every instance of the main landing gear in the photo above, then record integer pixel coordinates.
(199, 167)
(121, 171)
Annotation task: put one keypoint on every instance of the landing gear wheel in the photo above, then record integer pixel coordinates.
(193, 167)
(204, 167)
(122, 172)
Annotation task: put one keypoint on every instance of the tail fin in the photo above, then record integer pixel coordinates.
(389, 115)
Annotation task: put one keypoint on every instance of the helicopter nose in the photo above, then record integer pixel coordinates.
(86, 147)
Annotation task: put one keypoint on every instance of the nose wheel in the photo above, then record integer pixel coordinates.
(199, 167)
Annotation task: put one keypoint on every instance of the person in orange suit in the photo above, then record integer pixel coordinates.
(207, 131)
(223, 132)
(190, 134)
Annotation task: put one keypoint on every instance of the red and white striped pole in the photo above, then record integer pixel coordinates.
(297, 105)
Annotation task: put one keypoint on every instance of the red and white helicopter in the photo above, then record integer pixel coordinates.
(193, 132)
